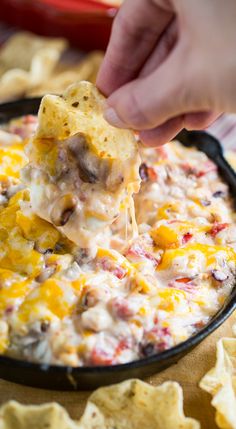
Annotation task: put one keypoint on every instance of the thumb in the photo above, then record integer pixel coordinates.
(148, 102)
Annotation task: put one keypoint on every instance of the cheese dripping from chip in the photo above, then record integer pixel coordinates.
(81, 169)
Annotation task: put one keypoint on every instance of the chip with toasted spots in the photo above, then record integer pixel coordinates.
(80, 109)
(137, 405)
(27, 60)
(220, 382)
(52, 416)
(132, 404)
(81, 168)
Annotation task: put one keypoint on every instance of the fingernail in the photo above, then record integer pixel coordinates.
(111, 116)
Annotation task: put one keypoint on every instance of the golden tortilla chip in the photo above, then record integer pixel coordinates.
(132, 404)
(13, 84)
(74, 153)
(230, 155)
(51, 416)
(43, 64)
(70, 74)
(220, 382)
(80, 109)
(135, 404)
(234, 330)
(27, 60)
(19, 50)
(54, 85)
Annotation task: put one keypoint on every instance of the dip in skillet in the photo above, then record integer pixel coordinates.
(128, 294)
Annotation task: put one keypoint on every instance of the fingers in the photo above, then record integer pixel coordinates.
(162, 134)
(161, 51)
(200, 120)
(167, 131)
(148, 102)
(136, 29)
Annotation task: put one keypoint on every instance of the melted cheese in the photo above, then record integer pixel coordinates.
(48, 301)
(81, 168)
(105, 308)
(209, 253)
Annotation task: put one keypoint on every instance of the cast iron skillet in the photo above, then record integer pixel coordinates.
(67, 378)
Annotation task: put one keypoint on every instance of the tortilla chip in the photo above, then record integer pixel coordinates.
(96, 60)
(27, 60)
(43, 64)
(55, 85)
(134, 404)
(51, 416)
(19, 50)
(220, 382)
(234, 330)
(99, 160)
(35, 67)
(80, 109)
(230, 155)
(63, 77)
(13, 84)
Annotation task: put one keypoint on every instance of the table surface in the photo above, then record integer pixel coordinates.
(188, 372)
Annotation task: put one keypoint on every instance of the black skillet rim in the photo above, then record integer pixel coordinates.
(229, 306)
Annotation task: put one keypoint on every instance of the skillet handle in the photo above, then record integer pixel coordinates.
(227, 172)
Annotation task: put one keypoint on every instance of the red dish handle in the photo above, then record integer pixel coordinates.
(78, 5)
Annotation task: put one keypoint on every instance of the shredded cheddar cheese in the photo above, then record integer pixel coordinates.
(133, 287)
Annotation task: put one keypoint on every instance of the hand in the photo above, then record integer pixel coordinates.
(170, 64)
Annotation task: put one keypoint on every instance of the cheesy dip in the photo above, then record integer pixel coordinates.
(81, 170)
(140, 292)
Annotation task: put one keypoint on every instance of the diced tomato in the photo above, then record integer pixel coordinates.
(152, 174)
(123, 345)
(184, 283)
(119, 272)
(199, 325)
(162, 152)
(183, 280)
(217, 227)
(30, 119)
(155, 320)
(147, 173)
(109, 265)
(208, 167)
(138, 251)
(187, 237)
(188, 168)
(100, 357)
(121, 308)
(160, 337)
(159, 331)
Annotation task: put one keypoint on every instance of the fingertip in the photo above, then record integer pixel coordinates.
(104, 81)
(111, 116)
(199, 120)
(162, 134)
(148, 141)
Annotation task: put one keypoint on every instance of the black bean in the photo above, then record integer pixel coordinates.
(147, 349)
(66, 216)
(143, 171)
(205, 203)
(45, 326)
(219, 276)
(218, 194)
